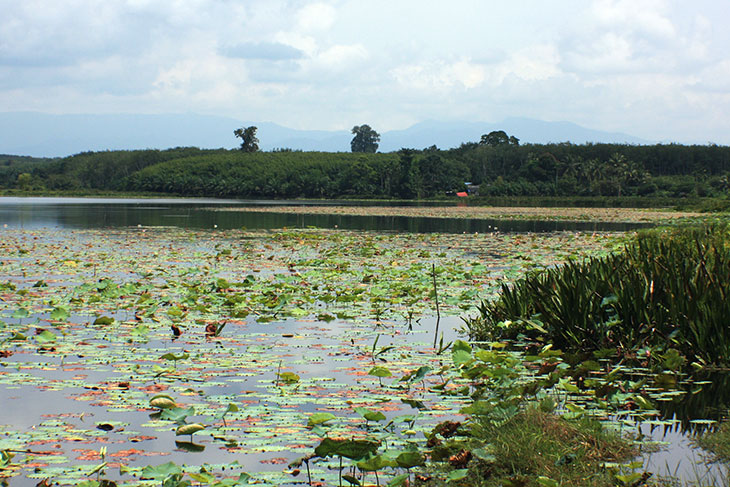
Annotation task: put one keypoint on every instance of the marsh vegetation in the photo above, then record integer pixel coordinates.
(149, 356)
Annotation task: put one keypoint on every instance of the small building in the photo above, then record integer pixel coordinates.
(472, 189)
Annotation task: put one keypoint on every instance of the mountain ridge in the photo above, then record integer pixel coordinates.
(50, 135)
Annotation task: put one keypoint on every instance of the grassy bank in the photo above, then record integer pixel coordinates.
(706, 204)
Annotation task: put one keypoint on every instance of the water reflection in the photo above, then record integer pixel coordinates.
(697, 406)
(705, 402)
(200, 214)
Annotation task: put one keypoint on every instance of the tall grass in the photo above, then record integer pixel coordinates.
(667, 289)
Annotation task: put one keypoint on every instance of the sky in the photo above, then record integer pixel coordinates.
(655, 69)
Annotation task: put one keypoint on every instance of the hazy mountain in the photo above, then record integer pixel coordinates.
(47, 135)
(446, 135)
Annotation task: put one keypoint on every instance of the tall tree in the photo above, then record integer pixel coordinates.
(499, 137)
(406, 177)
(249, 142)
(365, 139)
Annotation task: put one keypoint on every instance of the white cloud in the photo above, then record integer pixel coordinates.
(341, 56)
(440, 76)
(177, 78)
(300, 42)
(615, 64)
(316, 17)
(534, 63)
(714, 78)
(648, 17)
(272, 51)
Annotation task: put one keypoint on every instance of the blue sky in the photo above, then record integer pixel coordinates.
(655, 69)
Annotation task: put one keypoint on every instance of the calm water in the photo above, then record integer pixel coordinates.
(81, 213)
(205, 213)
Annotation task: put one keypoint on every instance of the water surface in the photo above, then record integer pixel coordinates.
(210, 213)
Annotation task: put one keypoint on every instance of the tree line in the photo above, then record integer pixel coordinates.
(498, 164)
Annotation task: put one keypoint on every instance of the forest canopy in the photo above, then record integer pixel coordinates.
(497, 165)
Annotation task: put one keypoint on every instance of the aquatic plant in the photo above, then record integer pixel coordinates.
(667, 290)
(525, 424)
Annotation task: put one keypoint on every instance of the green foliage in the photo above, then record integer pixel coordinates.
(666, 291)
(499, 137)
(22, 171)
(320, 418)
(365, 139)
(347, 448)
(107, 170)
(532, 448)
(499, 165)
(161, 472)
(435, 175)
(273, 174)
(249, 141)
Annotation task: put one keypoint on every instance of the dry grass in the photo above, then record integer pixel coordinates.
(627, 215)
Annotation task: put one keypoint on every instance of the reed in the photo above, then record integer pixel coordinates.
(667, 289)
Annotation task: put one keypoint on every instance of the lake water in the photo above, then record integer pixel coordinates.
(208, 213)
(315, 350)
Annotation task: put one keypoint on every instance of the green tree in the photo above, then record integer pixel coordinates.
(439, 175)
(249, 142)
(406, 177)
(624, 172)
(499, 137)
(25, 181)
(366, 139)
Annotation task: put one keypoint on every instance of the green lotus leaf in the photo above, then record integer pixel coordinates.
(289, 377)
(60, 314)
(176, 414)
(160, 472)
(376, 463)
(45, 337)
(409, 459)
(348, 448)
(459, 474)
(379, 371)
(104, 320)
(399, 480)
(370, 415)
(319, 418)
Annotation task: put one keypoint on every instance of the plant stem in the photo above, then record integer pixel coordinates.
(278, 369)
(438, 310)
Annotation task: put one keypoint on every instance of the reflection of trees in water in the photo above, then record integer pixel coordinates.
(202, 216)
(711, 402)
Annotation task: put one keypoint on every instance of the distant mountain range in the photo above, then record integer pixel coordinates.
(48, 135)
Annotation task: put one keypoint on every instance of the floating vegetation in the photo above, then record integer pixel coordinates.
(628, 215)
(296, 357)
(235, 341)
